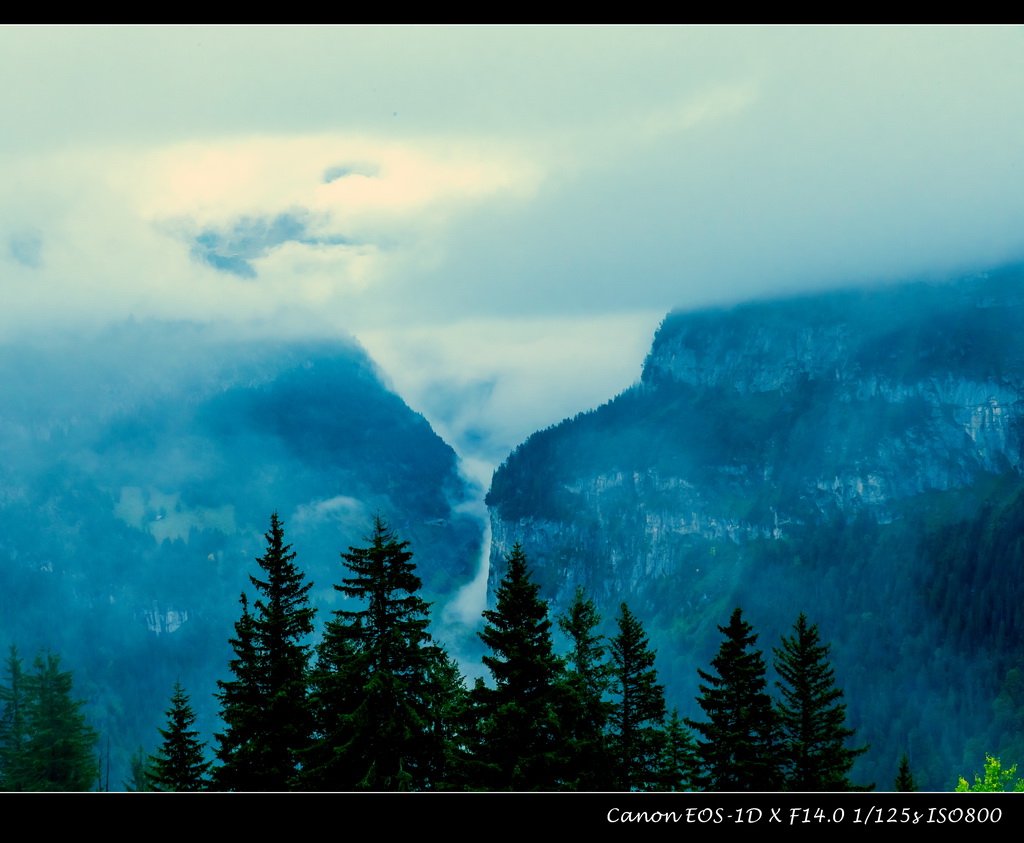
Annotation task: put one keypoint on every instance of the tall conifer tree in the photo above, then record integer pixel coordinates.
(586, 709)
(520, 745)
(904, 782)
(13, 728)
(241, 698)
(59, 754)
(739, 746)
(264, 707)
(179, 764)
(638, 714)
(453, 724)
(678, 759)
(812, 718)
(377, 697)
(139, 771)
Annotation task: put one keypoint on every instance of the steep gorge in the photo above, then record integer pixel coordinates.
(816, 454)
(139, 467)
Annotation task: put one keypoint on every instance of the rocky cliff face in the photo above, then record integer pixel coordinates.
(749, 421)
(138, 470)
(855, 456)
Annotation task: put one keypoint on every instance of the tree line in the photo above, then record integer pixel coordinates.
(45, 743)
(378, 704)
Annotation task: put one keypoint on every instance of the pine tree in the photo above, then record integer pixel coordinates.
(904, 778)
(739, 745)
(13, 728)
(678, 759)
(812, 720)
(331, 762)
(282, 623)
(451, 724)
(179, 764)
(586, 710)
(241, 710)
(59, 753)
(640, 711)
(519, 731)
(139, 771)
(377, 690)
(264, 707)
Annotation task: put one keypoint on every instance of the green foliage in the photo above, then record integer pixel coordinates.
(739, 743)
(904, 782)
(134, 542)
(925, 583)
(812, 721)
(264, 707)
(179, 763)
(241, 701)
(585, 711)
(13, 725)
(640, 710)
(380, 687)
(451, 723)
(335, 695)
(139, 772)
(678, 759)
(994, 779)
(57, 754)
(519, 732)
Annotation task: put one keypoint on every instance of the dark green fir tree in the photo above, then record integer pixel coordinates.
(904, 778)
(139, 771)
(639, 710)
(378, 691)
(332, 762)
(241, 699)
(59, 754)
(520, 744)
(13, 726)
(179, 764)
(264, 708)
(812, 720)
(586, 709)
(453, 724)
(738, 744)
(678, 759)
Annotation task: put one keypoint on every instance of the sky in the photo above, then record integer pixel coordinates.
(501, 215)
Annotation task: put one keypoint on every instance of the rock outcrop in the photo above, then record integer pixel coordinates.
(751, 420)
(854, 456)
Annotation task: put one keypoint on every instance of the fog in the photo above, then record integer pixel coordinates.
(501, 215)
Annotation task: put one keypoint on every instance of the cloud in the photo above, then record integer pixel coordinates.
(340, 171)
(26, 247)
(529, 170)
(183, 231)
(342, 510)
(490, 382)
(250, 238)
(440, 190)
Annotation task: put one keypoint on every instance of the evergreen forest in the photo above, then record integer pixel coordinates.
(371, 701)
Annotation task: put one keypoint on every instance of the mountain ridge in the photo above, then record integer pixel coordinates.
(771, 456)
(139, 467)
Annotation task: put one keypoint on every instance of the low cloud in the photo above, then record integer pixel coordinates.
(184, 231)
(233, 248)
(341, 510)
(486, 384)
(340, 171)
(26, 248)
(503, 214)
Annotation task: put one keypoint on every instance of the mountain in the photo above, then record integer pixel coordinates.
(853, 455)
(139, 467)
